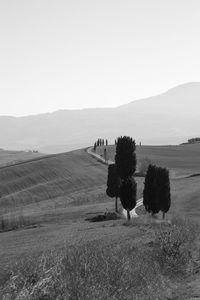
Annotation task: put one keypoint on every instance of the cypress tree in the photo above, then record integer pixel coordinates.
(156, 194)
(150, 190)
(164, 190)
(127, 192)
(106, 142)
(113, 184)
(125, 158)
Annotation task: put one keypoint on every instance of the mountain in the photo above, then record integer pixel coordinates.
(169, 118)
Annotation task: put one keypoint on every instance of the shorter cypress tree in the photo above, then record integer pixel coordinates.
(156, 194)
(113, 184)
(150, 190)
(128, 189)
(164, 196)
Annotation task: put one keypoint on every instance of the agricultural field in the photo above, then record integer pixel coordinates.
(180, 160)
(8, 157)
(52, 199)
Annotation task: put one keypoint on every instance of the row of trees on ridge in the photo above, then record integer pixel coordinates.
(100, 142)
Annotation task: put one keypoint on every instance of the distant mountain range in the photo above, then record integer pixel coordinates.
(169, 118)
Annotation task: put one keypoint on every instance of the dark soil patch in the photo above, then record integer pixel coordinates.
(105, 217)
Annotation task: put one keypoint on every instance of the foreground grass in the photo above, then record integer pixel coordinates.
(110, 271)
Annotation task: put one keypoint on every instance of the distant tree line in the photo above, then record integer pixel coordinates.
(100, 142)
(194, 140)
(121, 183)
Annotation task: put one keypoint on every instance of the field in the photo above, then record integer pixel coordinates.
(180, 160)
(8, 157)
(52, 197)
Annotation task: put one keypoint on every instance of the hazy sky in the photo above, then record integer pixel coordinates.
(59, 54)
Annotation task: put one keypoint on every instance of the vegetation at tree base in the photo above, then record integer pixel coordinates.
(125, 157)
(113, 184)
(128, 189)
(156, 194)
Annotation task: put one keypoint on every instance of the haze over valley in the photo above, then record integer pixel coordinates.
(168, 118)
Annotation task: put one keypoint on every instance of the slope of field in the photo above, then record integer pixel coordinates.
(180, 160)
(8, 157)
(59, 192)
(49, 178)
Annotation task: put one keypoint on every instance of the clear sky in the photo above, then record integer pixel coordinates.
(65, 54)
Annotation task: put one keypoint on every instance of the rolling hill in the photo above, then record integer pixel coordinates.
(65, 177)
(169, 118)
(58, 193)
(9, 157)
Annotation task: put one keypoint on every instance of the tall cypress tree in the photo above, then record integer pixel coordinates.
(164, 190)
(125, 158)
(113, 184)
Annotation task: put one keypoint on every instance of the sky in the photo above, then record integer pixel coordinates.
(73, 54)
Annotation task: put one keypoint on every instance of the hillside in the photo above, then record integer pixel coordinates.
(51, 177)
(169, 118)
(57, 194)
(9, 157)
(180, 160)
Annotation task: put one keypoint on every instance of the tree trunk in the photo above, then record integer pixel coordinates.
(128, 215)
(116, 206)
(163, 215)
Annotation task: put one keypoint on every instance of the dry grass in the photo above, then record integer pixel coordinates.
(115, 271)
(11, 221)
(49, 178)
